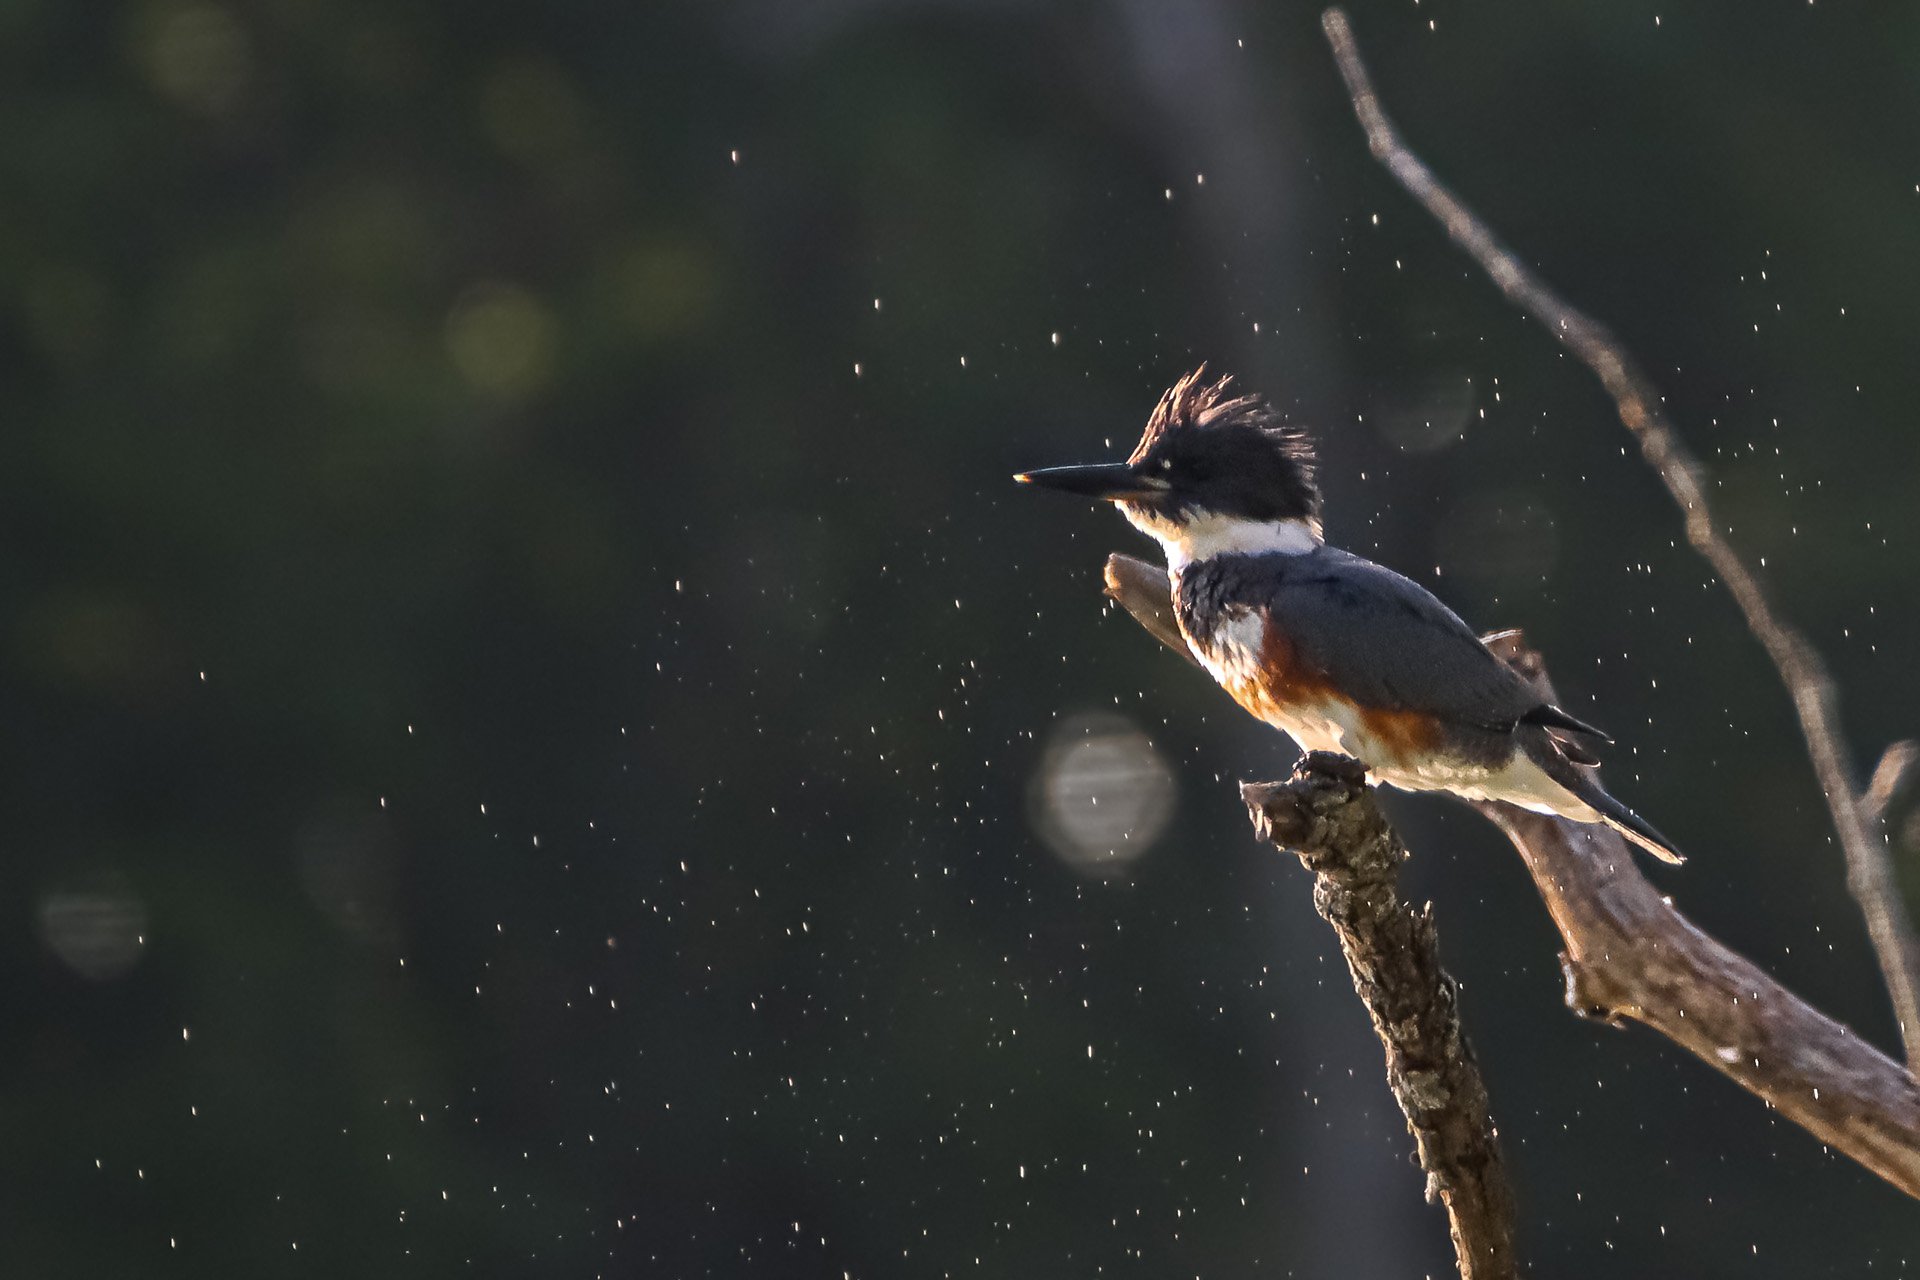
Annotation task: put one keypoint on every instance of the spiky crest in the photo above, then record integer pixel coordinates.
(1194, 403)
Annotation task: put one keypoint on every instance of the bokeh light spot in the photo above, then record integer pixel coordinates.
(1103, 793)
(1499, 539)
(1429, 418)
(530, 110)
(502, 339)
(95, 929)
(199, 57)
(347, 865)
(663, 289)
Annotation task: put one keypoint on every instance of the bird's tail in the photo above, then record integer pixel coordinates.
(1583, 783)
(1633, 826)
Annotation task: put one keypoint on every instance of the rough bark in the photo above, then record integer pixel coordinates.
(1630, 955)
(1327, 816)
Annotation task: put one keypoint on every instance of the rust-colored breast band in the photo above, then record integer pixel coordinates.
(1404, 733)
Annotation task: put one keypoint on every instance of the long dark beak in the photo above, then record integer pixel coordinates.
(1111, 481)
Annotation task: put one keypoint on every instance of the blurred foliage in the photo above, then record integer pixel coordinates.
(525, 674)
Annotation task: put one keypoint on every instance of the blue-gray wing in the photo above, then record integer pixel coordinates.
(1386, 641)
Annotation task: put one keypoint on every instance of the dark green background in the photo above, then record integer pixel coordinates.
(517, 759)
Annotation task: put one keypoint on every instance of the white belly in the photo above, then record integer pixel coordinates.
(1518, 782)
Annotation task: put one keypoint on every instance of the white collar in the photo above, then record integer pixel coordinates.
(1205, 535)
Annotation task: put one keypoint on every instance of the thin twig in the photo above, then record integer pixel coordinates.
(1869, 869)
(1327, 816)
(1890, 777)
(1630, 954)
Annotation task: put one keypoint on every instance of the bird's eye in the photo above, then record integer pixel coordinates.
(1166, 465)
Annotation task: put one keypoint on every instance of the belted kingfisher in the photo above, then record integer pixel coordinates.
(1338, 652)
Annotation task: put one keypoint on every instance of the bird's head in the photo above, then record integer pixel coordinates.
(1213, 474)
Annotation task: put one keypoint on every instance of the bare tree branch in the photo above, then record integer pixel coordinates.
(1141, 589)
(1327, 816)
(1869, 870)
(1891, 776)
(1630, 954)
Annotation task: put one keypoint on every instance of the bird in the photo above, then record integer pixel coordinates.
(1338, 652)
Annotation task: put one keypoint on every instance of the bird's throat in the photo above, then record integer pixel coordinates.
(1204, 535)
